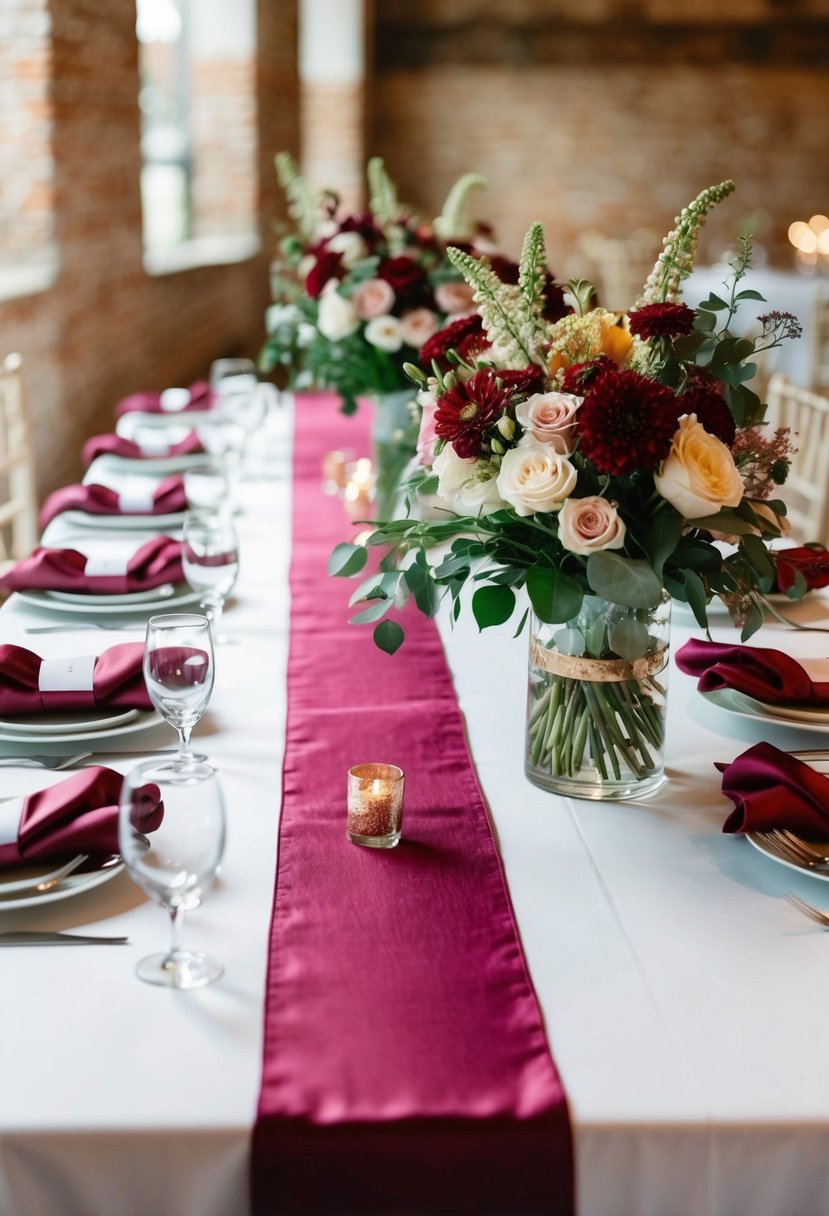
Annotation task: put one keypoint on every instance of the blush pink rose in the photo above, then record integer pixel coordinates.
(417, 326)
(588, 525)
(454, 298)
(373, 298)
(427, 437)
(551, 418)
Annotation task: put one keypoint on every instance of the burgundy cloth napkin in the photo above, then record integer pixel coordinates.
(155, 562)
(771, 789)
(117, 445)
(168, 498)
(201, 398)
(759, 672)
(79, 815)
(118, 682)
(810, 560)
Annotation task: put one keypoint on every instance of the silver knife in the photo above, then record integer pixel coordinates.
(40, 937)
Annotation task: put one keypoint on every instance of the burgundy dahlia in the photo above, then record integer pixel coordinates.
(626, 422)
(465, 412)
(711, 410)
(407, 279)
(578, 376)
(524, 381)
(450, 338)
(661, 321)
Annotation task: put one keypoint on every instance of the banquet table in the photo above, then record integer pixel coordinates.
(683, 997)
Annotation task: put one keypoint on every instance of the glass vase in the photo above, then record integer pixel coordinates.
(596, 701)
(394, 437)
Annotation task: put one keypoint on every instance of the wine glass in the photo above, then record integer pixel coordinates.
(232, 375)
(206, 487)
(171, 830)
(178, 672)
(210, 560)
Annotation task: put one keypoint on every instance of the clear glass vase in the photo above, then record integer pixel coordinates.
(596, 701)
(394, 437)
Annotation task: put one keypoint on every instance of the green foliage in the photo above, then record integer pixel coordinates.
(454, 222)
(301, 195)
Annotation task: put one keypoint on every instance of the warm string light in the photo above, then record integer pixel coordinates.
(358, 494)
(811, 241)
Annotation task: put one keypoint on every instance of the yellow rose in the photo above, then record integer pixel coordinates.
(577, 338)
(698, 476)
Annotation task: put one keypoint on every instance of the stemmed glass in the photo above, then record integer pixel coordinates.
(178, 672)
(210, 560)
(173, 860)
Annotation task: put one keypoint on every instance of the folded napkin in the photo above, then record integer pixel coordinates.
(112, 680)
(117, 445)
(157, 561)
(768, 675)
(771, 789)
(171, 401)
(79, 815)
(812, 561)
(163, 498)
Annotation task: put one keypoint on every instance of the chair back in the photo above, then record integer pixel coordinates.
(806, 491)
(819, 345)
(18, 497)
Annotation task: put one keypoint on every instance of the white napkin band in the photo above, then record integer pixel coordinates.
(136, 494)
(10, 813)
(173, 400)
(107, 564)
(67, 675)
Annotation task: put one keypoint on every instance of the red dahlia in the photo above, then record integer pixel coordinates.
(465, 412)
(525, 380)
(626, 422)
(711, 410)
(449, 338)
(408, 280)
(661, 321)
(328, 266)
(578, 376)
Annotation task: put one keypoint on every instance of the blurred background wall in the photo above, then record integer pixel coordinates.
(601, 118)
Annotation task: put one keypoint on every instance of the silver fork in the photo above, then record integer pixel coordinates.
(797, 850)
(808, 850)
(37, 761)
(813, 913)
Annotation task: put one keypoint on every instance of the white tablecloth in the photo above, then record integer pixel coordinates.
(685, 1000)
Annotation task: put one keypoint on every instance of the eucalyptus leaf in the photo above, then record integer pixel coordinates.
(623, 580)
(695, 591)
(373, 613)
(554, 596)
(347, 560)
(628, 638)
(388, 636)
(492, 605)
(753, 622)
(569, 641)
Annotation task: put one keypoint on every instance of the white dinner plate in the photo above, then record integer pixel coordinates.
(144, 719)
(819, 761)
(73, 884)
(92, 606)
(781, 715)
(122, 523)
(137, 420)
(151, 595)
(106, 469)
(66, 722)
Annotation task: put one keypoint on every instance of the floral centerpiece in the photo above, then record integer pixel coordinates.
(356, 296)
(605, 463)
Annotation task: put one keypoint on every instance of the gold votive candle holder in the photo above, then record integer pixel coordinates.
(375, 805)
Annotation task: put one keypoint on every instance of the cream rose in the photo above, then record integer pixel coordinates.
(551, 418)
(588, 525)
(417, 325)
(350, 246)
(698, 476)
(535, 477)
(336, 318)
(453, 471)
(384, 333)
(479, 496)
(454, 298)
(373, 298)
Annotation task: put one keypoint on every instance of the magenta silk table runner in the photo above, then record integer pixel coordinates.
(406, 1068)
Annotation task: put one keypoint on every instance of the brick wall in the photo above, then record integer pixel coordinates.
(26, 226)
(607, 115)
(106, 327)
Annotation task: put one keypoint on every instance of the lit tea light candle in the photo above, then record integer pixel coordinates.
(335, 471)
(375, 805)
(358, 498)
